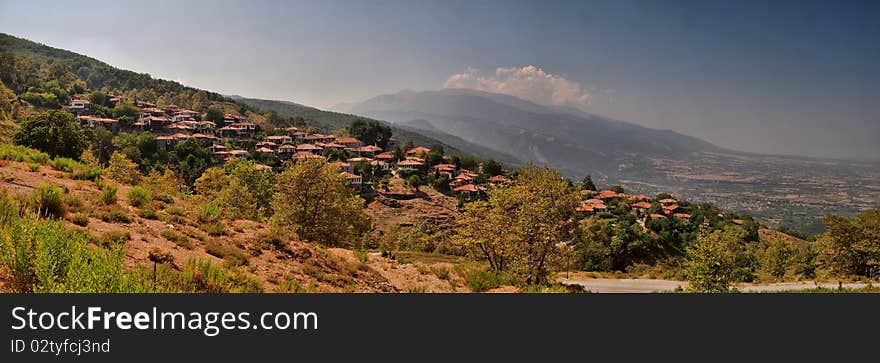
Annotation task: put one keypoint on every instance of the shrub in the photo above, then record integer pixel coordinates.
(22, 154)
(43, 256)
(147, 214)
(233, 255)
(214, 228)
(34, 167)
(178, 239)
(63, 164)
(209, 213)
(115, 215)
(81, 220)
(138, 196)
(108, 194)
(49, 200)
(479, 280)
(113, 238)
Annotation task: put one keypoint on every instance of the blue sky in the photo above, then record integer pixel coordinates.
(797, 77)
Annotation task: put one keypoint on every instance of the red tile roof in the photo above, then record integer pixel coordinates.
(642, 205)
(418, 150)
(608, 194)
(468, 188)
(657, 216)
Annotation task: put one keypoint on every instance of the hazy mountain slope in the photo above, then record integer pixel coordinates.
(528, 131)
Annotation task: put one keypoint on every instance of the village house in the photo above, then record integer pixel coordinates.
(469, 192)
(444, 169)
(464, 177)
(279, 139)
(498, 180)
(608, 194)
(380, 165)
(204, 139)
(344, 166)
(151, 123)
(93, 122)
(144, 104)
(286, 151)
(229, 119)
(410, 164)
(79, 106)
(641, 206)
(313, 149)
(386, 157)
(668, 201)
(418, 150)
(368, 151)
(152, 111)
(350, 142)
(356, 181)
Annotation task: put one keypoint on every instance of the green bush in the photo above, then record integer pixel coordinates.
(20, 153)
(81, 220)
(33, 167)
(113, 238)
(482, 280)
(115, 215)
(108, 194)
(43, 256)
(214, 228)
(147, 214)
(138, 196)
(63, 164)
(233, 255)
(178, 239)
(49, 200)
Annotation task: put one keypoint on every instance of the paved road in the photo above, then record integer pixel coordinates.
(655, 285)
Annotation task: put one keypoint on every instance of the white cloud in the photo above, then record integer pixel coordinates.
(529, 83)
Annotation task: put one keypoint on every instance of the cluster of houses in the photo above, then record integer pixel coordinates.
(640, 204)
(173, 124)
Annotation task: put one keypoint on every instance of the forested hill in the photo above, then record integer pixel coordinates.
(98, 75)
(95, 73)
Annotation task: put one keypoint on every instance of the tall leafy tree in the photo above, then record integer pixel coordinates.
(55, 133)
(520, 228)
(314, 201)
(371, 132)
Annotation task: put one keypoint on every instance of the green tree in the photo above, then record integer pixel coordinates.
(98, 98)
(851, 246)
(492, 167)
(710, 264)
(371, 132)
(102, 145)
(314, 201)
(215, 114)
(587, 183)
(520, 228)
(126, 113)
(55, 133)
(122, 170)
(192, 160)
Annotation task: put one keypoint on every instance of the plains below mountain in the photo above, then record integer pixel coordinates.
(780, 190)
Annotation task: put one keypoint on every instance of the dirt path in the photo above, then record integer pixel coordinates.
(603, 285)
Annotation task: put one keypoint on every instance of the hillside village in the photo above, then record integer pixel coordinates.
(282, 205)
